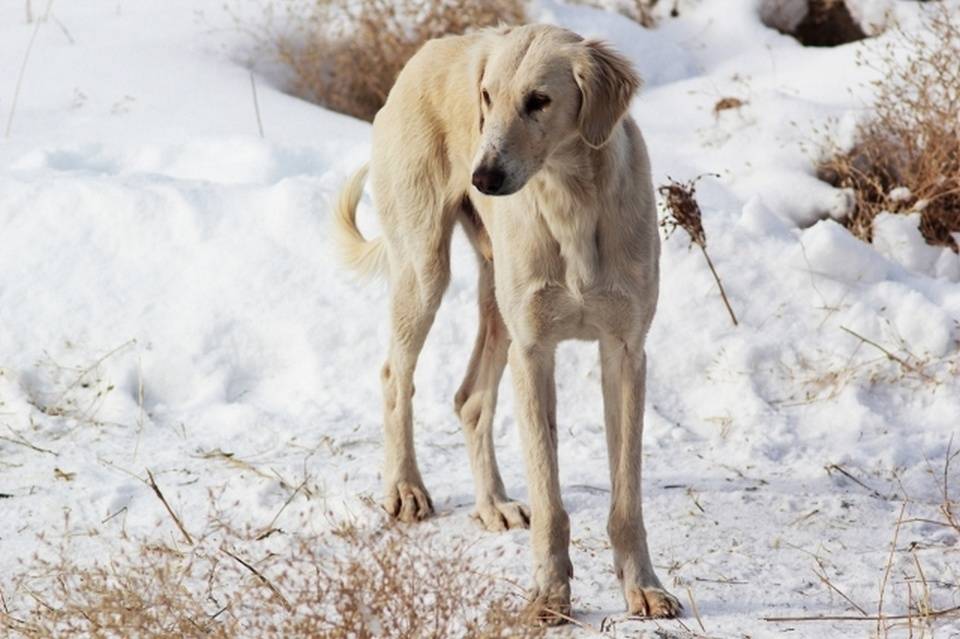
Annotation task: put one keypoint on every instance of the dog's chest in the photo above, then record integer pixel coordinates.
(552, 282)
(570, 230)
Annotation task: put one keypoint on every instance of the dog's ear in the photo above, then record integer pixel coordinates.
(607, 83)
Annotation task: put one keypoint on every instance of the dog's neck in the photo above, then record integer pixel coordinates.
(565, 194)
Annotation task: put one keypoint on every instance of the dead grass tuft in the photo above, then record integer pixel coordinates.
(345, 54)
(352, 582)
(907, 155)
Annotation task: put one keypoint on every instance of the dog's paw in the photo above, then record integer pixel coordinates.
(651, 603)
(408, 502)
(497, 516)
(550, 606)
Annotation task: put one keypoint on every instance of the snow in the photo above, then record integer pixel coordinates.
(167, 291)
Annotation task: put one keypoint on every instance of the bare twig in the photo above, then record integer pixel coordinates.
(232, 460)
(693, 606)
(259, 575)
(723, 293)
(63, 28)
(924, 604)
(829, 584)
(947, 506)
(19, 439)
(156, 490)
(932, 614)
(840, 469)
(111, 516)
(23, 65)
(256, 103)
(889, 566)
(269, 527)
(912, 368)
(140, 413)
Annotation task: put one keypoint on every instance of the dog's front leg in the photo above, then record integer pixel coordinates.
(532, 371)
(623, 370)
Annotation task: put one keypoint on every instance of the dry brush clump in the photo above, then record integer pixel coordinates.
(352, 582)
(906, 158)
(346, 54)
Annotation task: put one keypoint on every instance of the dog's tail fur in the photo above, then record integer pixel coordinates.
(367, 257)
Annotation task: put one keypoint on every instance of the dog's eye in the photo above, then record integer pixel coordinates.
(486, 96)
(536, 102)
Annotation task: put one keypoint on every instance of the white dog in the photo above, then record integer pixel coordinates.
(520, 135)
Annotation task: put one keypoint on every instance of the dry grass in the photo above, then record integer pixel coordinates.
(352, 582)
(640, 11)
(873, 363)
(345, 54)
(911, 594)
(907, 155)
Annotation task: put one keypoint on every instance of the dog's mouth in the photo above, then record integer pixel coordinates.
(499, 193)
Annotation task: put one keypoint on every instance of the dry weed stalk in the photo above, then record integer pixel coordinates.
(350, 582)
(823, 379)
(152, 483)
(82, 398)
(948, 505)
(23, 65)
(683, 210)
(916, 368)
(346, 54)
(907, 155)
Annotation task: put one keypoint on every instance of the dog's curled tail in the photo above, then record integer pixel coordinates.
(367, 257)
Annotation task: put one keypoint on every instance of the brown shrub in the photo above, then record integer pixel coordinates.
(346, 54)
(907, 155)
(352, 582)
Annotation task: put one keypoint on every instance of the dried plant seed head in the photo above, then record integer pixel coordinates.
(682, 209)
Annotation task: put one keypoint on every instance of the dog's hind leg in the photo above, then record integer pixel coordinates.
(623, 373)
(475, 404)
(418, 277)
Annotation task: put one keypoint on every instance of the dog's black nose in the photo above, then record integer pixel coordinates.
(489, 180)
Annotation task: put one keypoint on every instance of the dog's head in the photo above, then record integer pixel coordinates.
(538, 87)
